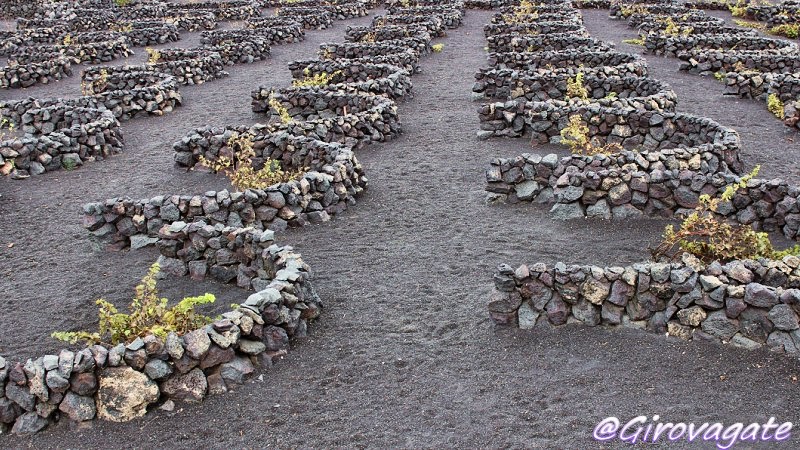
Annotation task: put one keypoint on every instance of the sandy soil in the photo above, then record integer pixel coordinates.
(404, 355)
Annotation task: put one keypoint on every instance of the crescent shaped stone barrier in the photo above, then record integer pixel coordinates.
(665, 183)
(310, 18)
(566, 59)
(150, 32)
(192, 21)
(504, 19)
(61, 136)
(420, 43)
(11, 40)
(507, 43)
(339, 10)
(126, 93)
(94, 48)
(332, 181)
(506, 117)
(378, 79)
(11, 9)
(222, 10)
(773, 15)
(455, 4)
(643, 129)
(617, 11)
(451, 17)
(712, 5)
(433, 24)
(349, 117)
(534, 28)
(98, 381)
(278, 30)
(387, 33)
(189, 66)
(237, 46)
(659, 44)
(748, 304)
(485, 4)
(42, 68)
(708, 61)
(77, 19)
(681, 18)
(660, 26)
(378, 52)
(655, 22)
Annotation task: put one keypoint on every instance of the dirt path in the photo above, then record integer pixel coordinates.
(404, 355)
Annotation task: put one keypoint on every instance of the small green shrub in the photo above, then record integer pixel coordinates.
(283, 113)
(149, 314)
(719, 76)
(748, 24)
(790, 30)
(576, 89)
(122, 3)
(639, 41)
(738, 9)
(673, 29)
(576, 136)
(240, 170)
(319, 79)
(437, 48)
(97, 85)
(775, 105)
(709, 237)
(153, 55)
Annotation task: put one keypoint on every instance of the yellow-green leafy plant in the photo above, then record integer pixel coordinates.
(153, 55)
(318, 79)
(639, 41)
(238, 166)
(719, 76)
(673, 29)
(775, 106)
(748, 24)
(576, 136)
(610, 96)
(707, 235)
(738, 9)
(790, 30)
(283, 113)
(67, 41)
(97, 85)
(628, 11)
(122, 3)
(122, 27)
(5, 124)
(437, 48)
(576, 89)
(148, 314)
(369, 37)
(525, 7)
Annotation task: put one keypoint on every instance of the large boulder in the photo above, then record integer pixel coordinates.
(124, 394)
(190, 387)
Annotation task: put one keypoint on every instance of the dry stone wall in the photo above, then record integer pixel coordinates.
(748, 304)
